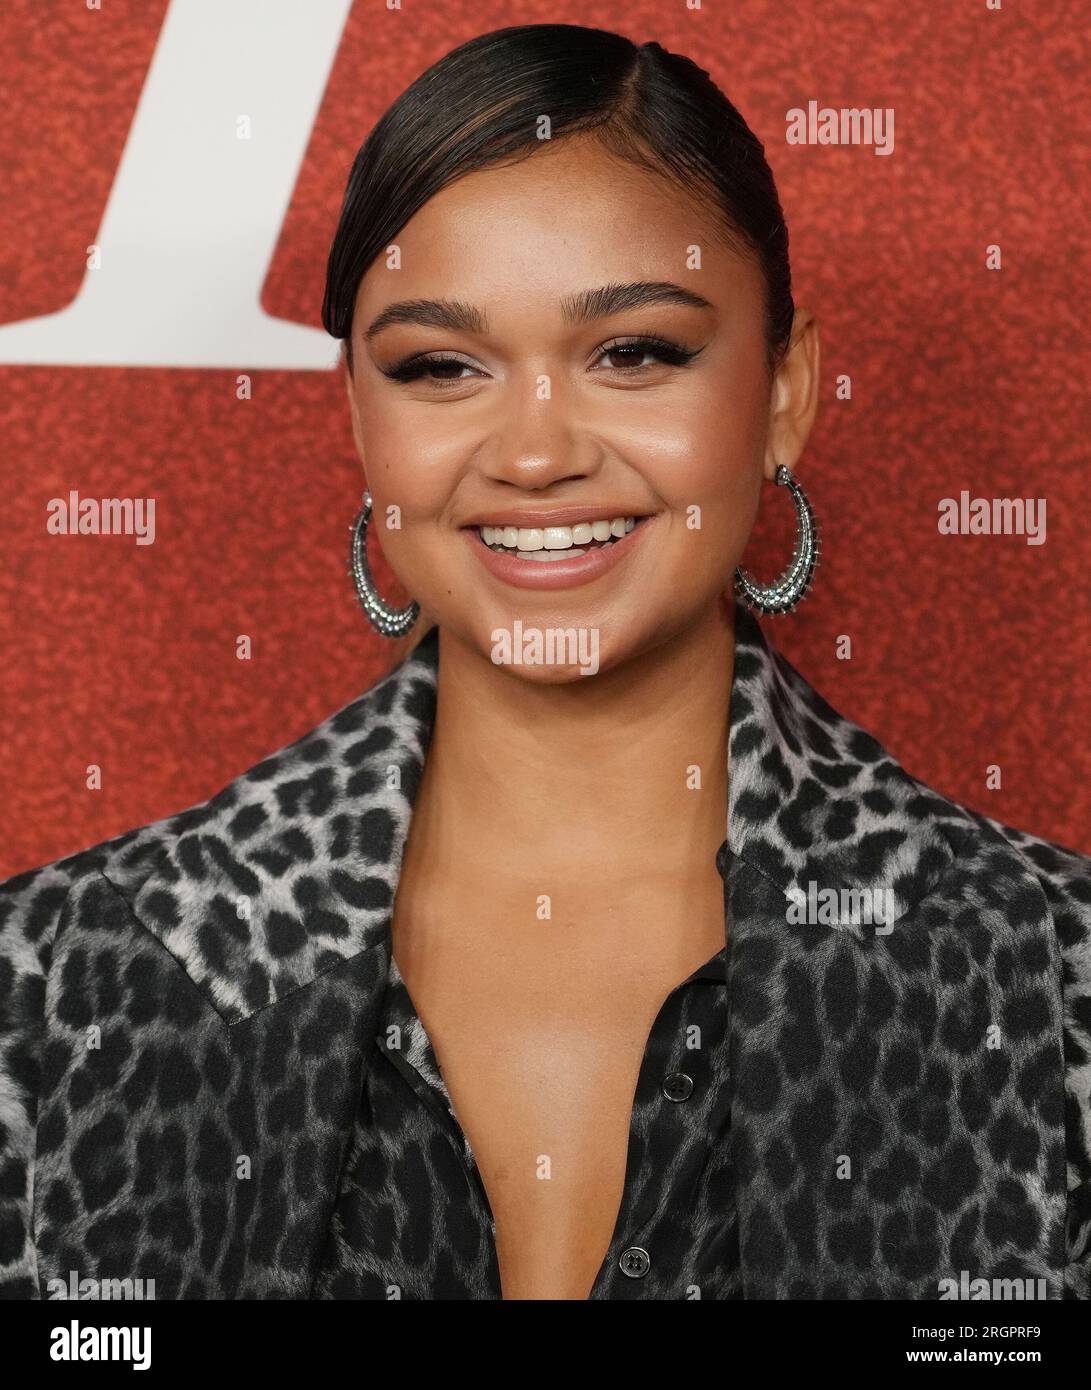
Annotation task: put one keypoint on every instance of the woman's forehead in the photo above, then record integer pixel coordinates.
(559, 223)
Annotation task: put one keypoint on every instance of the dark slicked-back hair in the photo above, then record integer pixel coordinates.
(482, 104)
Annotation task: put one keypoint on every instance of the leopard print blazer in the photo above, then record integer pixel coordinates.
(186, 1013)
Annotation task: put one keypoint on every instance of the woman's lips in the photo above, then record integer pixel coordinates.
(555, 574)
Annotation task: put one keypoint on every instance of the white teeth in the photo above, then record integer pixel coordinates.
(549, 554)
(555, 542)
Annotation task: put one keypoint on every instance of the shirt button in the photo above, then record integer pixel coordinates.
(678, 1086)
(635, 1262)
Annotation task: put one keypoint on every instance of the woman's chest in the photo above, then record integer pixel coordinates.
(541, 1053)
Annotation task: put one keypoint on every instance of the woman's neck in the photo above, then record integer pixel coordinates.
(618, 774)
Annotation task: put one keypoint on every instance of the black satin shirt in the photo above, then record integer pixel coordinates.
(412, 1217)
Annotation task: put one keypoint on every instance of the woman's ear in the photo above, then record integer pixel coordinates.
(793, 399)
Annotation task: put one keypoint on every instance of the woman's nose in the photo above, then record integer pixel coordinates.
(538, 443)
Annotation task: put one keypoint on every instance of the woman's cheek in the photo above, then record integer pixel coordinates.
(406, 466)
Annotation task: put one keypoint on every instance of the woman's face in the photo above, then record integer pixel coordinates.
(502, 377)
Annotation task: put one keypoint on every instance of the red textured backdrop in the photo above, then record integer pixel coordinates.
(968, 651)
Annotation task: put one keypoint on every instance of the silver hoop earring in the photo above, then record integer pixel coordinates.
(391, 622)
(790, 588)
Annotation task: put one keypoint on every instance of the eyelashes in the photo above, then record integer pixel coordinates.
(421, 365)
(674, 354)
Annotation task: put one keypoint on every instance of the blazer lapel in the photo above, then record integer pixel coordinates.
(897, 1113)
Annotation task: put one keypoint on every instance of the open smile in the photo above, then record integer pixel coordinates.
(555, 556)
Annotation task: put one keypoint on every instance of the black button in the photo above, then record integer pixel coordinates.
(635, 1262)
(678, 1086)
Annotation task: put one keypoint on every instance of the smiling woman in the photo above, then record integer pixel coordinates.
(590, 953)
(602, 298)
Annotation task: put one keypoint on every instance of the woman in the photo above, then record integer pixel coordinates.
(475, 991)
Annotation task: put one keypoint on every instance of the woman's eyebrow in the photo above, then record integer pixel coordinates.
(612, 299)
(429, 313)
(579, 308)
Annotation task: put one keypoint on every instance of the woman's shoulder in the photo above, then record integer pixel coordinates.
(1064, 876)
(1064, 872)
(1061, 872)
(1028, 869)
(365, 756)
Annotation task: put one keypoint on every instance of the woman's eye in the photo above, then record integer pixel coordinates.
(438, 369)
(629, 356)
(625, 357)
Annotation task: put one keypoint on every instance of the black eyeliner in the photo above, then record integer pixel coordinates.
(672, 353)
(411, 368)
